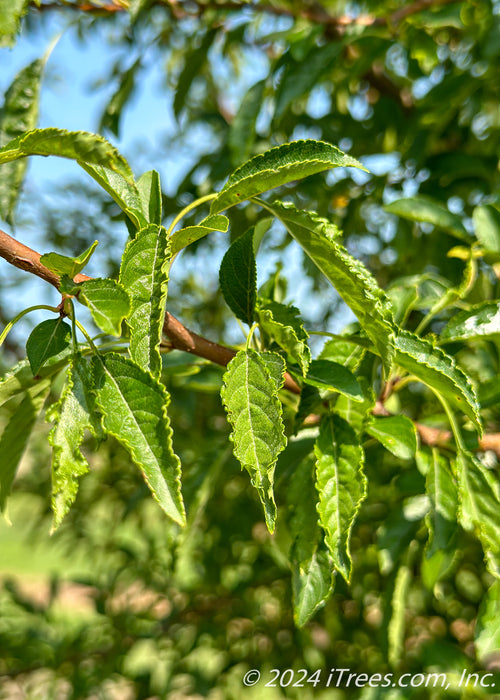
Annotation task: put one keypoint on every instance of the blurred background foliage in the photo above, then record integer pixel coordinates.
(119, 603)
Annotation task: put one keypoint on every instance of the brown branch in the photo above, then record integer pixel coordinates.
(181, 338)
(316, 15)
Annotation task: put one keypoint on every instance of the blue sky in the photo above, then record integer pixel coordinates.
(74, 94)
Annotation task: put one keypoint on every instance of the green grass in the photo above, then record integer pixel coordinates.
(27, 549)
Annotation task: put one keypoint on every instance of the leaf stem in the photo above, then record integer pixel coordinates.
(455, 428)
(11, 324)
(451, 295)
(87, 337)
(250, 334)
(73, 326)
(187, 209)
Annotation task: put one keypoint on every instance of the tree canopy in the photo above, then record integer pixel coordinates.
(260, 399)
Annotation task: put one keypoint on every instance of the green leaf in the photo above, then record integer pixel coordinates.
(64, 265)
(144, 273)
(349, 276)
(77, 145)
(276, 367)
(396, 433)
(249, 394)
(113, 111)
(397, 624)
(439, 371)
(479, 506)
(487, 227)
(193, 64)
(242, 129)
(357, 413)
(479, 321)
(124, 192)
(136, 7)
(20, 378)
(341, 485)
(291, 161)
(398, 529)
(47, 339)
(300, 77)
(441, 488)
(185, 236)
(344, 352)
(72, 415)
(18, 115)
(430, 211)
(325, 374)
(487, 637)
(134, 407)
(150, 193)
(284, 325)
(488, 392)
(238, 277)
(310, 401)
(108, 301)
(312, 571)
(11, 12)
(16, 435)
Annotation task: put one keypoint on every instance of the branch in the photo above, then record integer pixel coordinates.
(181, 338)
(316, 15)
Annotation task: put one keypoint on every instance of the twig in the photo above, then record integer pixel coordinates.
(181, 338)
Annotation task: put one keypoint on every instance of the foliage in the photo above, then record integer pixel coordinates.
(362, 531)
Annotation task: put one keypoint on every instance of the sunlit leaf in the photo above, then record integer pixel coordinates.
(108, 301)
(64, 265)
(349, 276)
(439, 371)
(76, 145)
(396, 433)
(291, 161)
(185, 236)
(11, 12)
(72, 415)
(284, 325)
(487, 638)
(124, 192)
(150, 193)
(134, 407)
(341, 485)
(254, 411)
(18, 115)
(144, 273)
(487, 227)
(479, 321)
